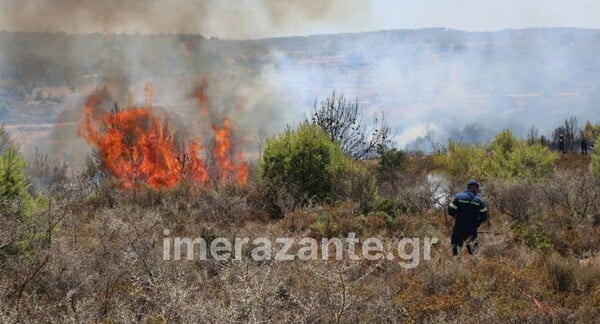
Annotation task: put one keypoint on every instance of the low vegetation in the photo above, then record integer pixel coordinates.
(90, 251)
(595, 166)
(506, 157)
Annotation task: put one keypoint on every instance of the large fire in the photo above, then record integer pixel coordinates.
(136, 146)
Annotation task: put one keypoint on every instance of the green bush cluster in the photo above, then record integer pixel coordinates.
(530, 161)
(312, 168)
(507, 157)
(13, 182)
(595, 165)
(14, 186)
(462, 160)
(17, 205)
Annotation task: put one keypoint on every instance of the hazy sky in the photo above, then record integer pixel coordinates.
(266, 18)
(483, 15)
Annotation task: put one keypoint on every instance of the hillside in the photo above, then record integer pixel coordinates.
(431, 78)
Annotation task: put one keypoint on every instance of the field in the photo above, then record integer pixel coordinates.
(94, 253)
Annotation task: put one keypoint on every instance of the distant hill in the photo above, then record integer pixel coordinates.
(439, 78)
(51, 59)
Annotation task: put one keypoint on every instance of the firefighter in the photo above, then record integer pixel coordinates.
(469, 211)
(561, 143)
(584, 146)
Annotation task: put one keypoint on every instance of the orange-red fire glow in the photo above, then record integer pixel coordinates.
(137, 146)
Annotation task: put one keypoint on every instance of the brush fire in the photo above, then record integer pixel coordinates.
(137, 146)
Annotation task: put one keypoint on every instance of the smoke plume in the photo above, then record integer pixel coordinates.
(224, 19)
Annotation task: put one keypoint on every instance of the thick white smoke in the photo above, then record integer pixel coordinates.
(225, 19)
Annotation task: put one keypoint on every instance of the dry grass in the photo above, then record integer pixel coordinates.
(572, 161)
(102, 259)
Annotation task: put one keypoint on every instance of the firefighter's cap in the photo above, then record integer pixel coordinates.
(473, 182)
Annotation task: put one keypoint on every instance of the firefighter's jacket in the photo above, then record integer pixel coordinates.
(469, 210)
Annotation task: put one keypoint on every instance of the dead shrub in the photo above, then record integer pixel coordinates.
(574, 190)
(567, 275)
(418, 194)
(514, 197)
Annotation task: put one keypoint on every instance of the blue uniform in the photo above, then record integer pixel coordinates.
(469, 211)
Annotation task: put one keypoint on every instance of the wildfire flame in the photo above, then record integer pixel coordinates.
(137, 146)
(222, 154)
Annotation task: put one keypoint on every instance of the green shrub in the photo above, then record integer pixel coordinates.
(392, 161)
(503, 143)
(530, 161)
(595, 165)
(324, 226)
(533, 235)
(304, 162)
(357, 184)
(17, 206)
(462, 161)
(389, 207)
(310, 168)
(508, 158)
(13, 182)
(14, 185)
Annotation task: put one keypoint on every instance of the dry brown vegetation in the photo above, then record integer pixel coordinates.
(94, 254)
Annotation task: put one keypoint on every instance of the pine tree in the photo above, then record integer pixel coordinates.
(13, 181)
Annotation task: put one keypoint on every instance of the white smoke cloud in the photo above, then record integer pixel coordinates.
(225, 19)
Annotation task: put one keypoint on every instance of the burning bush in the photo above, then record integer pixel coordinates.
(136, 146)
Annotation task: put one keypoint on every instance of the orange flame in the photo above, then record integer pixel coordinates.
(223, 154)
(136, 146)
